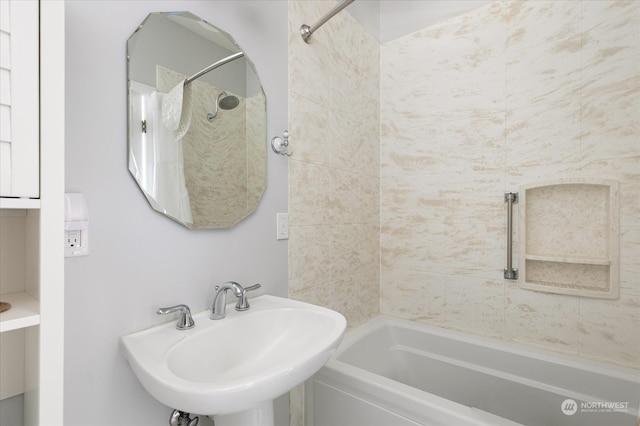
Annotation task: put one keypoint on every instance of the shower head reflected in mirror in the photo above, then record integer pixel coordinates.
(224, 101)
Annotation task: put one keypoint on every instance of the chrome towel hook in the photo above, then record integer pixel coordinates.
(280, 145)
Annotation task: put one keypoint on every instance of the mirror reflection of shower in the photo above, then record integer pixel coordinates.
(224, 101)
(184, 177)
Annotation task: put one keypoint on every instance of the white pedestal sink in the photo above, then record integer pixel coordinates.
(261, 415)
(232, 369)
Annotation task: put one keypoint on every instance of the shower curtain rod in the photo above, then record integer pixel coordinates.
(306, 31)
(214, 66)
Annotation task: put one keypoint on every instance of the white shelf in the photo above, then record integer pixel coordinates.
(576, 260)
(24, 312)
(19, 203)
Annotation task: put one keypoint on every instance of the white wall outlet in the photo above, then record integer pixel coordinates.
(282, 226)
(72, 238)
(76, 225)
(76, 241)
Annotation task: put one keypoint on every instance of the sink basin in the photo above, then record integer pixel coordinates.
(238, 363)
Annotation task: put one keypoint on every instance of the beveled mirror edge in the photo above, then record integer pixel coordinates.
(251, 208)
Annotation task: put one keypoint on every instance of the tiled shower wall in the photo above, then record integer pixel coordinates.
(334, 181)
(334, 255)
(511, 93)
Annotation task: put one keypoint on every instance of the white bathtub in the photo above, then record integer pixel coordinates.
(390, 372)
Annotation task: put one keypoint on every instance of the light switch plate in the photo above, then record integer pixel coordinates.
(282, 226)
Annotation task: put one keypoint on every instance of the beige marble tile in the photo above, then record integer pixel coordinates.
(611, 52)
(370, 199)
(366, 303)
(543, 73)
(330, 294)
(349, 143)
(309, 194)
(479, 32)
(482, 30)
(346, 197)
(609, 329)
(543, 134)
(441, 74)
(401, 153)
(630, 261)
(413, 295)
(471, 107)
(370, 156)
(627, 172)
(398, 203)
(458, 87)
(475, 83)
(475, 305)
(450, 249)
(611, 125)
(369, 248)
(308, 137)
(473, 197)
(521, 175)
(436, 146)
(340, 295)
(309, 74)
(296, 406)
(346, 246)
(353, 45)
(354, 126)
(350, 97)
(354, 198)
(355, 252)
(610, 17)
(334, 183)
(309, 64)
(546, 319)
(531, 23)
(410, 59)
(311, 255)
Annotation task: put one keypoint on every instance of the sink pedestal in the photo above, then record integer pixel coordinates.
(262, 415)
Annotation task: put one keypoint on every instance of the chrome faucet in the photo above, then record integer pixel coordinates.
(219, 305)
(185, 322)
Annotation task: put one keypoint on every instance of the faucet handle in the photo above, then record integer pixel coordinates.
(186, 320)
(243, 302)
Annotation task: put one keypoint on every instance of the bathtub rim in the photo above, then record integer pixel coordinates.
(390, 394)
(517, 348)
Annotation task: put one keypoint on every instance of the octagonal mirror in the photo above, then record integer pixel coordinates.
(196, 121)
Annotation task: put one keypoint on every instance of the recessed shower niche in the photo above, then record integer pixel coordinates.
(569, 237)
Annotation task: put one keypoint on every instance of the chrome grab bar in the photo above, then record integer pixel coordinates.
(510, 273)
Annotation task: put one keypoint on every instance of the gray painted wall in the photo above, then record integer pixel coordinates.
(140, 260)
